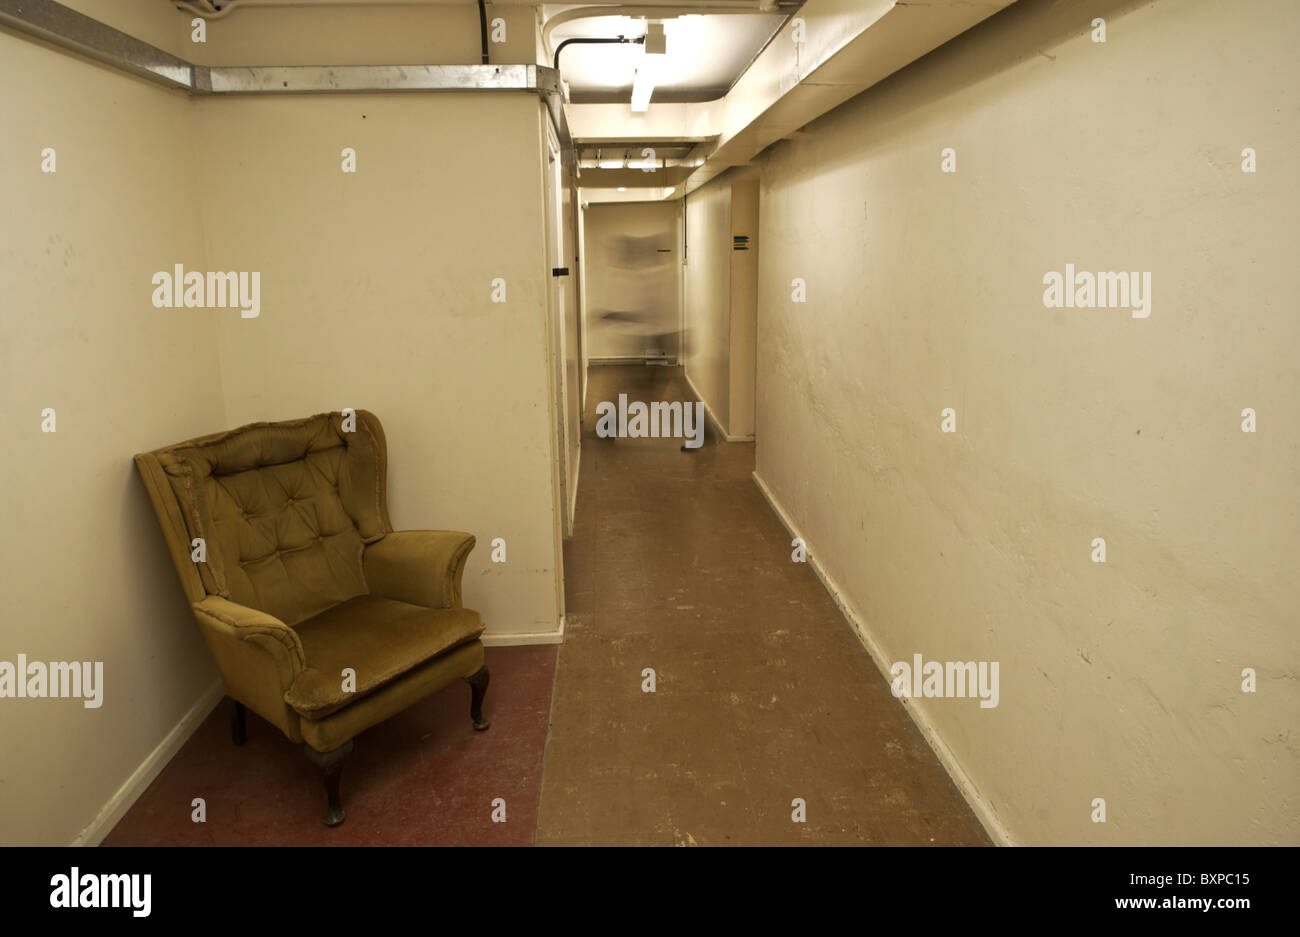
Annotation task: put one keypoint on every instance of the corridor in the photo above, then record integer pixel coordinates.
(316, 534)
(763, 694)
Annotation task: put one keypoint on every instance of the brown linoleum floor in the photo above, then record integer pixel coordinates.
(764, 694)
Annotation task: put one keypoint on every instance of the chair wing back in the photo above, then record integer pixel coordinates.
(283, 510)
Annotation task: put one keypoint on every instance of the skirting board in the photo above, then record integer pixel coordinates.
(713, 420)
(573, 495)
(983, 810)
(150, 768)
(526, 637)
(632, 359)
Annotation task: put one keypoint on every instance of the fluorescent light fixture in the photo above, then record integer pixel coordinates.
(644, 85)
(610, 164)
(688, 36)
(622, 188)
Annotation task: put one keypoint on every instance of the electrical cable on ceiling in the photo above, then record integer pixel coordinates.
(593, 40)
(482, 27)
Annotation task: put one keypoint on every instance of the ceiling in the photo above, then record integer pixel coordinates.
(706, 54)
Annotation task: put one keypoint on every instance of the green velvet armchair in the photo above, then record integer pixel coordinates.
(323, 619)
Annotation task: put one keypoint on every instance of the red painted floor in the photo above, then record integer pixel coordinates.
(424, 777)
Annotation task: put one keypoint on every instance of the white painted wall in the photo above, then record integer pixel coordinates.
(574, 366)
(85, 574)
(743, 305)
(581, 280)
(1122, 680)
(720, 303)
(376, 293)
(707, 291)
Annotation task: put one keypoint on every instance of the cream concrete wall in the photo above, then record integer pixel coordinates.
(85, 572)
(377, 293)
(707, 295)
(644, 287)
(1122, 680)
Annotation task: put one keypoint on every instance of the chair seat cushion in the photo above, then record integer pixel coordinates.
(380, 639)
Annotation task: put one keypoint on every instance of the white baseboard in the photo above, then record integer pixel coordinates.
(631, 359)
(150, 768)
(983, 809)
(713, 420)
(525, 638)
(573, 495)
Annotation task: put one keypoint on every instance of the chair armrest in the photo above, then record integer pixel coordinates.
(423, 567)
(251, 646)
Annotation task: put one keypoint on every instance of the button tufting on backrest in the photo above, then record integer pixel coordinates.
(287, 507)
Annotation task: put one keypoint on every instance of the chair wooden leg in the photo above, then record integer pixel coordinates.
(331, 766)
(478, 684)
(238, 725)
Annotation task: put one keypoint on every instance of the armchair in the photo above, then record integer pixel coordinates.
(322, 619)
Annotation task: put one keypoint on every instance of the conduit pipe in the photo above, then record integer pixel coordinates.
(594, 40)
(482, 29)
